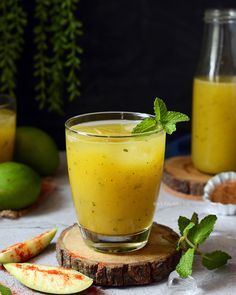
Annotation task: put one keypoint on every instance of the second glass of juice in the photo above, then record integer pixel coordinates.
(115, 178)
(7, 127)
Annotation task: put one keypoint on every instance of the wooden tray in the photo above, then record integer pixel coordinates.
(150, 264)
(182, 179)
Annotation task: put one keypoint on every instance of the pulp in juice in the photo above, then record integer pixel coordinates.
(114, 181)
(214, 125)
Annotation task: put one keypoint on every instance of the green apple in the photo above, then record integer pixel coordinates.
(25, 250)
(49, 279)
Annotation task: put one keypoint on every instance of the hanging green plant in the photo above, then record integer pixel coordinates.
(57, 52)
(12, 23)
(41, 58)
(57, 57)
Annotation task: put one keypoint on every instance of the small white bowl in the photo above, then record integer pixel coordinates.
(214, 207)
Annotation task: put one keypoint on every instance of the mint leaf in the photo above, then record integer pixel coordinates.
(160, 109)
(181, 243)
(175, 117)
(4, 290)
(148, 124)
(183, 222)
(169, 127)
(187, 228)
(185, 265)
(165, 119)
(194, 218)
(202, 231)
(170, 119)
(215, 259)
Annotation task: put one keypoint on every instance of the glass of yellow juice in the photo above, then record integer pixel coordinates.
(213, 125)
(7, 127)
(115, 178)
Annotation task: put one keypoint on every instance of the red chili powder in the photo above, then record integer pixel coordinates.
(13, 246)
(24, 254)
(224, 193)
(49, 271)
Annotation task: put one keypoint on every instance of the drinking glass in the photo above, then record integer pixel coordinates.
(7, 127)
(115, 178)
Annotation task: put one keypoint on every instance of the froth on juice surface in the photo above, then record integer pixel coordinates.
(115, 179)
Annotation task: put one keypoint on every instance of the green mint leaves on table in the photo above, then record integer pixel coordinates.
(194, 233)
(163, 119)
(4, 290)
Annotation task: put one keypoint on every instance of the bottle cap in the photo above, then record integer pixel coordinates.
(220, 15)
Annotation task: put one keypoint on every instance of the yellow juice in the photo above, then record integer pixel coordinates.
(114, 181)
(214, 125)
(7, 134)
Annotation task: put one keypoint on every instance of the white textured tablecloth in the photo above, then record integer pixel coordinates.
(57, 211)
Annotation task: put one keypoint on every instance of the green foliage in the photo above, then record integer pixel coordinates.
(41, 59)
(147, 124)
(12, 22)
(58, 41)
(183, 223)
(194, 218)
(184, 267)
(215, 259)
(194, 233)
(72, 31)
(187, 229)
(57, 58)
(57, 53)
(202, 230)
(163, 119)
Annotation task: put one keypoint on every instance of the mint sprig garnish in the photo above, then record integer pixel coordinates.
(163, 119)
(193, 233)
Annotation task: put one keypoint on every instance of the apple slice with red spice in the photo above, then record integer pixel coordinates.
(49, 279)
(21, 252)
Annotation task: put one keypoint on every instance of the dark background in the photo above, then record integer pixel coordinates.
(134, 50)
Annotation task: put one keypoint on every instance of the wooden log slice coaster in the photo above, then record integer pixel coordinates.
(149, 264)
(182, 179)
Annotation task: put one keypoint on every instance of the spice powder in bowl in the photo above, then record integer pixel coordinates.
(224, 193)
(220, 194)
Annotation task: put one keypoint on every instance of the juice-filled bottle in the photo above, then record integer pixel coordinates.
(214, 95)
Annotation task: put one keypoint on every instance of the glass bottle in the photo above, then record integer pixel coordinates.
(214, 95)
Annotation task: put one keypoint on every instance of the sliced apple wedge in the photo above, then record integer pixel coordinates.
(24, 251)
(49, 279)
